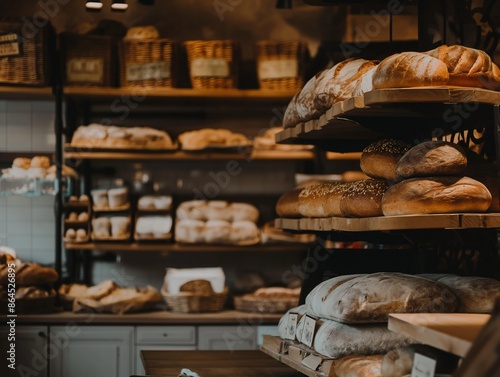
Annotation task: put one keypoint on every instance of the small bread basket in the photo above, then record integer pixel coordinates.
(196, 296)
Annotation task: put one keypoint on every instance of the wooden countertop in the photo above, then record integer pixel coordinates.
(214, 364)
(153, 318)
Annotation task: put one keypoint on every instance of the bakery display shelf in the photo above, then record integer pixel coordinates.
(343, 156)
(450, 332)
(181, 248)
(74, 153)
(30, 187)
(181, 96)
(26, 93)
(384, 223)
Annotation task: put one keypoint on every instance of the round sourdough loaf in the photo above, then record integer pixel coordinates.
(432, 158)
(363, 198)
(436, 195)
(379, 159)
(322, 199)
(288, 204)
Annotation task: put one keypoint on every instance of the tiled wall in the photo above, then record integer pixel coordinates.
(27, 224)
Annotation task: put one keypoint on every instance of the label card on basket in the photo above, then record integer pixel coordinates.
(148, 71)
(278, 69)
(423, 366)
(10, 45)
(85, 70)
(292, 326)
(308, 331)
(204, 67)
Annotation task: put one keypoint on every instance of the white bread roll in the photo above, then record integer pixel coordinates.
(379, 159)
(436, 195)
(410, 69)
(363, 198)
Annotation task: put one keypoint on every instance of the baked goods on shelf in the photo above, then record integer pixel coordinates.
(271, 234)
(29, 300)
(154, 203)
(379, 159)
(322, 199)
(36, 167)
(267, 141)
(217, 210)
(114, 199)
(288, 204)
(150, 228)
(111, 228)
(241, 232)
(268, 300)
(212, 138)
(363, 198)
(113, 137)
(28, 274)
(142, 32)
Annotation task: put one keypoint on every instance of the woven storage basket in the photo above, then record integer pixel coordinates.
(25, 54)
(252, 304)
(213, 64)
(149, 63)
(281, 64)
(90, 60)
(196, 296)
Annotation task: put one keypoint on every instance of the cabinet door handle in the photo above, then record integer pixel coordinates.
(42, 335)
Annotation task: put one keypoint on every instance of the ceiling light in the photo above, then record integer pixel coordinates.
(94, 5)
(120, 5)
(284, 4)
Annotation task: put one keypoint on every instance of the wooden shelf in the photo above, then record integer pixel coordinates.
(181, 96)
(26, 93)
(450, 332)
(407, 222)
(73, 153)
(184, 248)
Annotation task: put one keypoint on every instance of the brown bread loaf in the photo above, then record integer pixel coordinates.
(379, 159)
(291, 117)
(288, 204)
(410, 69)
(305, 100)
(436, 195)
(322, 199)
(363, 198)
(432, 158)
(358, 366)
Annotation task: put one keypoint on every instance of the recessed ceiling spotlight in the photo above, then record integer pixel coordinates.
(119, 5)
(94, 5)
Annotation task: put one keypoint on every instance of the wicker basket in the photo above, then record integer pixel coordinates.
(90, 60)
(247, 303)
(25, 54)
(149, 63)
(281, 64)
(213, 64)
(196, 296)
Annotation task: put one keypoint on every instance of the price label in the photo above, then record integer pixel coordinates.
(85, 70)
(148, 71)
(292, 326)
(278, 69)
(10, 45)
(423, 366)
(308, 331)
(204, 67)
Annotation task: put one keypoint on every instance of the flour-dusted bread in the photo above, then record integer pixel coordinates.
(358, 366)
(339, 82)
(380, 158)
(334, 339)
(288, 204)
(370, 298)
(363, 198)
(305, 100)
(467, 66)
(291, 117)
(365, 84)
(283, 323)
(410, 69)
(436, 195)
(322, 199)
(432, 158)
(476, 294)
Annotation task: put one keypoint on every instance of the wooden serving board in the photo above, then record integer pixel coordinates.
(450, 332)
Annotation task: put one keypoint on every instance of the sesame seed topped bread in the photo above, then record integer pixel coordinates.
(379, 159)
(322, 199)
(363, 198)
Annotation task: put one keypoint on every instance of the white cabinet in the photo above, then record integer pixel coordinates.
(162, 338)
(92, 351)
(30, 346)
(230, 338)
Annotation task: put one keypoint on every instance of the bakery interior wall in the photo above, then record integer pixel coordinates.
(28, 225)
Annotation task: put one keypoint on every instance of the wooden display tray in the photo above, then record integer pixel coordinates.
(406, 222)
(450, 332)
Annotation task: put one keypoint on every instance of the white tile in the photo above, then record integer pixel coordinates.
(42, 213)
(3, 105)
(46, 257)
(46, 228)
(43, 201)
(19, 242)
(19, 228)
(18, 200)
(18, 106)
(22, 253)
(43, 106)
(42, 242)
(19, 120)
(18, 213)
(18, 141)
(3, 201)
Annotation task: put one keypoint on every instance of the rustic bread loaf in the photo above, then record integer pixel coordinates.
(370, 298)
(288, 204)
(436, 195)
(28, 274)
(379, 159)
(358, 366)
(291, 117)
(353, 176)
(363, 198)
(305, 100)
(322, 199)
(410, 69)
(432, 158)
(283, 323)
(365, 83)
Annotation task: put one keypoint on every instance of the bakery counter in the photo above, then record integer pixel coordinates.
(229, 317)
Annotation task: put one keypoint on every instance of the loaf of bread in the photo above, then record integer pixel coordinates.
(476, 294)
(467, 66)
(432, 158)
(142, 32)
(288, 204)
(210, 137)
(410, 69)
(216, 231)
(291, 117)
(322, 199)
(305, 100)
(28, 274)
(370, 298)
(365, 83)
(436, 195)
(363, 198)
(283, 322)
(338, 83)
(359, 366)
(217, 210)
(379, 159)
